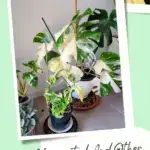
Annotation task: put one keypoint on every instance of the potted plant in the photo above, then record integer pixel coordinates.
(27, 119)
(60, 104)
(26, 80)
(86, 42)
(77, 43)
(73, 42)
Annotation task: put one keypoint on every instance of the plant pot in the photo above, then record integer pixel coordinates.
(26, 100)
(62, 122)
(88, 82)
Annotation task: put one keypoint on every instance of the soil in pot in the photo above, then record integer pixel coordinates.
(62, 122)
(23, 99)
(88, 77)
(90, 102)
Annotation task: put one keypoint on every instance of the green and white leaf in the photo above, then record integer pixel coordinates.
(87, 45)
(107, 79)
(105, 89)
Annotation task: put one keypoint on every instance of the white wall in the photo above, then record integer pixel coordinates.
(27, 22)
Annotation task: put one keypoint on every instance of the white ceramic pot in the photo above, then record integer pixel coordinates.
(88, 87)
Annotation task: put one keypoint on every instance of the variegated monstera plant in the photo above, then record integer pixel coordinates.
(76, 43)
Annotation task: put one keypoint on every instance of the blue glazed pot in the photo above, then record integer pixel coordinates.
(61, 123)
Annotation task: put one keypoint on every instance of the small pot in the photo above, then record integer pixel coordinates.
(26, 100)
(88, 82)
(62, 122)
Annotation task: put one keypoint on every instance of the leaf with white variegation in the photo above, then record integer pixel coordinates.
(80, 92)
(105, 78)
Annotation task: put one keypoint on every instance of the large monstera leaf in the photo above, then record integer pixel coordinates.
(81, 39)
(104, 68)
(102, 22)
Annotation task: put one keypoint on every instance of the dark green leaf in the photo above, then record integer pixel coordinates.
(42, 35)
(60, 41)
(50, 55)
(108, 35)
(38, 40)
(109, 57)
(41, 38)
(113, 15)
(105, 89)
(104, 25)
(113, 19)
(101, 43)
(99, 14)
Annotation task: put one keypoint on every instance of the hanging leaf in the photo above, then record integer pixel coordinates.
(31, 79)
(33, 66)
(106, 78)
(50, 55)
(112, 60)
(105, 89)
(41, 38)
(61, 38)
(109, 57)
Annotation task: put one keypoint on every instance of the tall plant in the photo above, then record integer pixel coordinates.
(76, 41)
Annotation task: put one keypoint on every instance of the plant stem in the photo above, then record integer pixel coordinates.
(47, 62)
(49, 30)
(75, 6)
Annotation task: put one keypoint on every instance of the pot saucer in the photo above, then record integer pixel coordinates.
(48, 129)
